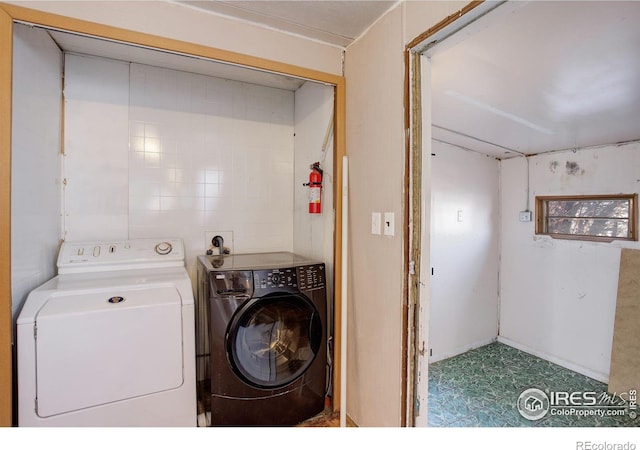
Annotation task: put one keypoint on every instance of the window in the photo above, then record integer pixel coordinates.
(588, 217)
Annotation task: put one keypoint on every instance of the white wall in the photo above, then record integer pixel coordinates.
(184, 154)
(209, 154)
(465, 204)
(374, 69)
(558, 296)
(96, 195)
(35, 164)
(376, 164)
(313, 233)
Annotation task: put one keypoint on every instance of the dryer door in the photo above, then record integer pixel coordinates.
(272, 340)
(95, 348)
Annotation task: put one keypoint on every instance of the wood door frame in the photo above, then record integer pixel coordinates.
(10, 14)
(6, 355)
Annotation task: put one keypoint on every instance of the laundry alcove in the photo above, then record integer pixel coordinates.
(115, 141)
(153, 149)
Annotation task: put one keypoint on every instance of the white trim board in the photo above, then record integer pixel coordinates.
(461, 350)
(602, 377)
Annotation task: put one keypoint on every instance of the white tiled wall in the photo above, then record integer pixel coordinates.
(35, 163)
(208, 154)
(203, 154)
(96, 140)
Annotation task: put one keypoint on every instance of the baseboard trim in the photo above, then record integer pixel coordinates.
(602, 377)
(461, 350)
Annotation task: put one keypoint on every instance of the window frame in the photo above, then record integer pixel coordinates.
(541, 216)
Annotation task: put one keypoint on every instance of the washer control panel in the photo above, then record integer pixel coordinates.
(76, 257)
(276, 279)
(311, 277)
(291, 279)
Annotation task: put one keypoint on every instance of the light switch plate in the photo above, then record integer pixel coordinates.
(389, 224)
(376, 223)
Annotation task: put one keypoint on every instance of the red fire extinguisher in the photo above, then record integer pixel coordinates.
(315, 189)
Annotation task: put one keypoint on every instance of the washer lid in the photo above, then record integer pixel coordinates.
(108, 346)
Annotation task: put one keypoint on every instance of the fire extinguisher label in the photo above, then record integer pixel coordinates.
(315, 189)
(314, 195)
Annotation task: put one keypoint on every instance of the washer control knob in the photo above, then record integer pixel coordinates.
(163, 248)
(275, 279)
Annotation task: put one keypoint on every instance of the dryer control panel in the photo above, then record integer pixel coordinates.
(102, 256)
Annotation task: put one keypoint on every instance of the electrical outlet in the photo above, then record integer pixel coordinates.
(525, 216)
(227, 236)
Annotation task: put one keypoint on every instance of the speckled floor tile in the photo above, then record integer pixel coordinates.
(480, 388)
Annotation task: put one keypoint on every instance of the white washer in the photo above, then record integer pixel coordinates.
(110, 340)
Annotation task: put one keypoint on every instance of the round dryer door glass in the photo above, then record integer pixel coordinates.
(273, 339)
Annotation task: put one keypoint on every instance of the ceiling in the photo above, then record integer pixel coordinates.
(334, 22)
(533, 77)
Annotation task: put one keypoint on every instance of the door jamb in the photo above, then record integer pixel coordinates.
(414, 345)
